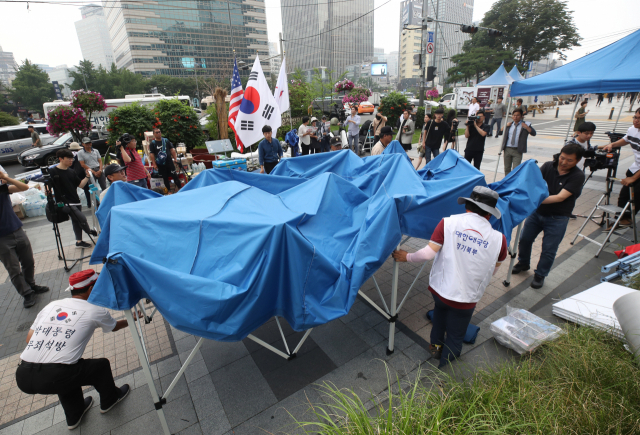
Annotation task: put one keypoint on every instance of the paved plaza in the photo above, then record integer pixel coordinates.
(243, 388)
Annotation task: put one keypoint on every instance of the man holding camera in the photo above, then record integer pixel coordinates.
(90, 160)
(514, 143)
(65, 185)
(476, 132)
(564, 181)
(15, 248)
(633, 173)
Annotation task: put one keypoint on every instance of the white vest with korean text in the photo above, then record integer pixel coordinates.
(463, 267)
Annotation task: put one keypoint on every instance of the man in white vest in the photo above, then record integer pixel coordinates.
(467, 252)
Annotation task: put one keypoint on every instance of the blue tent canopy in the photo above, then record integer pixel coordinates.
(233, 249)
(498, 78)
(515, 74)
(613, 68)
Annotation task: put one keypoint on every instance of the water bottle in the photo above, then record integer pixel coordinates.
(194, 168)
(201, 167)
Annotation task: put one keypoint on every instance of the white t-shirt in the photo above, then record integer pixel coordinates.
(633, 138)
(63, 329)
(473, 108)
(305, 139)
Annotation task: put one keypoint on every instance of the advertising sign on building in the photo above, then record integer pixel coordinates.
(412, 13)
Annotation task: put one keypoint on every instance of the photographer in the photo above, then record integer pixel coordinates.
(15, 248)
(564, 181)
(514, 143)
(65, 185)
(378, 123)
(136, 172)
(633, 173)
(476, 132)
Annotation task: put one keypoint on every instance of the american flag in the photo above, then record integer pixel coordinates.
(234, 104)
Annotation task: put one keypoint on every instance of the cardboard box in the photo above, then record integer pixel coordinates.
(19, 210)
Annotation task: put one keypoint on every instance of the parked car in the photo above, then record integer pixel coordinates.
(46, 156)
(365, 107)
(16, 138)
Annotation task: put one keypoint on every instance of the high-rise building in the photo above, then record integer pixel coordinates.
(93, 35)
(449, 38)
(392, 63)
(61, 75)
(44, 67)
(410, 40)
(310, 40)
(274, 61)
(8, 67)
(185, 37)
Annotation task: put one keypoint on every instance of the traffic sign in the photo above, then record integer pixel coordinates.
(430, 37)
(430, 47)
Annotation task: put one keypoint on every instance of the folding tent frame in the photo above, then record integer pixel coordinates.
(135, 326)
(390, 312)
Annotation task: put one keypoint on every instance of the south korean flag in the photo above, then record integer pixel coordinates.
(258, 108)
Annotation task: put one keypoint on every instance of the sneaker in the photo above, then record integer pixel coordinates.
(94, 233)
(436, 350)
(37, 289)
(122, 393)
(29, 301)
(538, 281)
(83, 244)
(88, 401)
(519, 268)
(573, 216)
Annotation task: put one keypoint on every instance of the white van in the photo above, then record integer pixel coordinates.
(16, 138)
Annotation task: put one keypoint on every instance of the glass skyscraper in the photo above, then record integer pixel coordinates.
(177, 37)
(309, 41)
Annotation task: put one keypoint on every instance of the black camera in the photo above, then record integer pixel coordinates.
(46, 176)
(471, 119)
(596, 160)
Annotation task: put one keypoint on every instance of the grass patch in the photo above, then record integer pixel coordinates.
(582, 383)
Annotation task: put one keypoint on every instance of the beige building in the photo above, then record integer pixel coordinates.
(409, 46)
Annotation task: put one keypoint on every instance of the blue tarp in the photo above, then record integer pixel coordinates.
(613, 68)
(498, 78)
(515, 74)
(233, 248)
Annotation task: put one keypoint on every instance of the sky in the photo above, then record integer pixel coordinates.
(46, 34)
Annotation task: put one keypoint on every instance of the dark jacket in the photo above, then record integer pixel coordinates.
(522, 140)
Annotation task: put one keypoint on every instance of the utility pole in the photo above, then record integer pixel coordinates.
(281, 49)
(435, 46)
(423, 55)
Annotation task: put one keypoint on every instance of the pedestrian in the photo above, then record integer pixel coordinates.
(90, 160)
(499, 110)
(353, 131)
(453, 134)
(336, 143)
(519, 105)
(406, 130)
(618, 97)
(114, 172)
(610, 97)
(30, 119)
(564, 181)
(514, 143)
(304, 133)
(632, 99)
(325, 130)
(136, 172)
(316, 146)
(386, 136)
(35, 137)
(581, 115)
(15, 248)
(269, 151)
(474, 106)
(162, 153)
(52, 362)
(633, 173)
(414, 112)
(583, 136)
(434, 132)
(600, 100)
(378, 123)
(476, 134)
(421, 147)
(74, 147)
(466, 252)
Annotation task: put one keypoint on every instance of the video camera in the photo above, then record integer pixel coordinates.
(471, 119)
(339, 112)
(595, 160)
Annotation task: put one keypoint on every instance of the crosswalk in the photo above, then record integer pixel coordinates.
(560, 130)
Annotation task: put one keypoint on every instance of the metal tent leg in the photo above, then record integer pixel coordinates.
(147, 373)
(394, 301)
(513, 253)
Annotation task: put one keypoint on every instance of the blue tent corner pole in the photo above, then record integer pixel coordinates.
(393, 306)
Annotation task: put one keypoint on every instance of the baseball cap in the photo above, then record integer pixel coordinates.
(112, 169)
(484, 198)
(86, 140)
(386, 130)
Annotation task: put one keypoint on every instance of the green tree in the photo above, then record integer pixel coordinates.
(31, 87)
(179, 122)
(7, 119)
(532, 28)
(86, 77)
(392, 107)
(475, 62)
(134, 119)
(301, 94)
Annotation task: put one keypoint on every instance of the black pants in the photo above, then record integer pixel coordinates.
(625, 195)
(78, 221)
(167, 172)
(87, 194)
(16, 252)
(453, 322)
(476, 156)
(305, 149)
(67, 380)
(268, 166)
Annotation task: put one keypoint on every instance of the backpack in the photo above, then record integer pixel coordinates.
(161, 158)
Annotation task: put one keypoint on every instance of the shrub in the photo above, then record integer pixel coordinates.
(7, 119)
(419, 118)
(134, 119)
(392, 107)
(179, 122)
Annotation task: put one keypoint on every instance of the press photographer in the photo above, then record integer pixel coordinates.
(476, 132)
(65, 183)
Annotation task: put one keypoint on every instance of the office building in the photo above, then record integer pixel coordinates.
(310, 41)
(410, 40)
(541, 66)
(275, 60)
(185, 38)
(44, 67)
(93, 35)
(392, 63)
(61, 75)
(8, 67)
